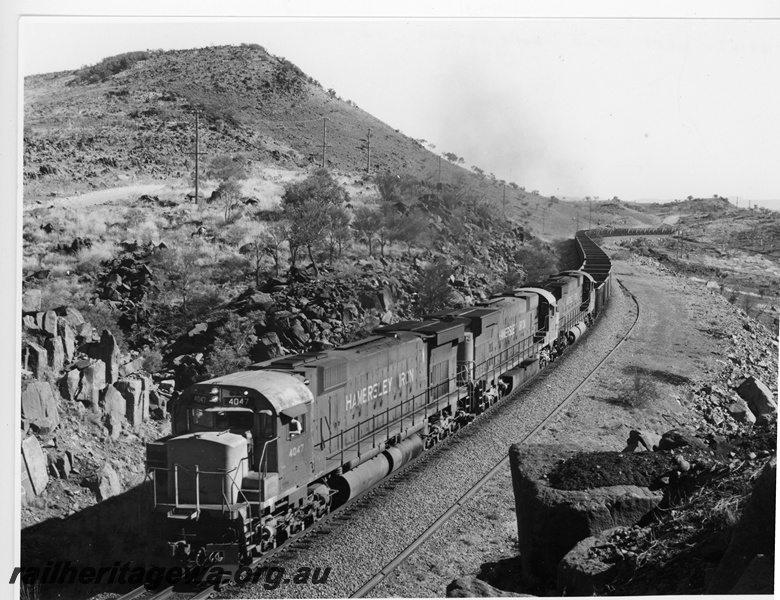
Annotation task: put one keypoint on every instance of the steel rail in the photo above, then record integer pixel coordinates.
(438, 523)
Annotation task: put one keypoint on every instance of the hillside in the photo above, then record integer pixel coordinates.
(131, 119)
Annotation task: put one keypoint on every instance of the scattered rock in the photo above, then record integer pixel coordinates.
(757, 396)
(34, 461)
(31, 301)
(680, 438)
(104, 483)
(39, 407)
(471, 587)
(583, 572)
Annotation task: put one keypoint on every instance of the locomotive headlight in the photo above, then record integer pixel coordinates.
(214, 395)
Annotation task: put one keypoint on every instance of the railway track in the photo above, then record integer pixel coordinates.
(301, 541)
(502, 464)
(596, 262)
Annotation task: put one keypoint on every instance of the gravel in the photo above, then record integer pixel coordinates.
(359, 543)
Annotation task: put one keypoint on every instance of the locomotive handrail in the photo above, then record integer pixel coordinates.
(515, 354)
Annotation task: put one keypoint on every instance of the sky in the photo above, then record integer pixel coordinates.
(639, 108)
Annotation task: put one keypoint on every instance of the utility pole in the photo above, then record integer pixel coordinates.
(324, 139)
(197, 154)
(368, 167)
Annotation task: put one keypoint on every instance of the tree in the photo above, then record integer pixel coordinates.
(224, 167)
(274, 236)
(309, 205)
(268, 243)
(451, 157)
(338, 232)
(319, 186)
(406, 228)
(367, 223)
(230, 193)
(536, 262)
(397, 188)
(432, 287)
(308, 226)
(180, 270)
(234, 339)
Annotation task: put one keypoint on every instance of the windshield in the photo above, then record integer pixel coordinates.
(212, 420)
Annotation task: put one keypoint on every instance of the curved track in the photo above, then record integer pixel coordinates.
(596, 263)
(390, 567)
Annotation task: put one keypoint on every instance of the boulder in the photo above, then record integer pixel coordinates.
(471, 587)
(114, 402)
(31, 301)
(268, 346)
(109, 354)
(93, 380)
(739, 411)
(136, 398)
(71, 315)
(49, 323)
(132, 366)
(67, 334)
(113, 425)
(104, 483)
(550, 522)
(39, 407)
(582, 572)
(36, 359)
(56, 351)
(680, 438)
(753, 534)
(758, 397)
(69, 384)
(34, 463)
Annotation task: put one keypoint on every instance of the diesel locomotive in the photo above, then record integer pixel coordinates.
(256, 456)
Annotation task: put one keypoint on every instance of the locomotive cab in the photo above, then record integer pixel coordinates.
(238, 441)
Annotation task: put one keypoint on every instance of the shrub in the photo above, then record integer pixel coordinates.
(109, 67)
(639, 391)
(152, 361)
(432, 288)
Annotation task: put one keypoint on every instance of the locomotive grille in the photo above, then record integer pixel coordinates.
(334, 376)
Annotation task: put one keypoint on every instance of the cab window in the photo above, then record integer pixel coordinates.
(293, 426)
(266, 425)
(235, 420)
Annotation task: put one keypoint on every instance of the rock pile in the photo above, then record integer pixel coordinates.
(93, 378)
(736, 397)
(580, 537)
